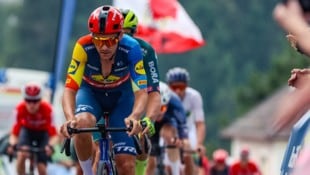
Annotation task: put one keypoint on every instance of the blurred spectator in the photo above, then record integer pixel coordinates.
(219, 166)
(244, 166)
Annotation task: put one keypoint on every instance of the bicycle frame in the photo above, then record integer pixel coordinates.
(106, 163)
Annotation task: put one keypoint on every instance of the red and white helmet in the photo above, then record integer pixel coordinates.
(105, 20)
(32, 91)
(220, 155)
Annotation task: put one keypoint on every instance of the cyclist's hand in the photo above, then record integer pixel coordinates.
(201, 149)
(64, 130)
(10, 149)
(149, 126)
(49, 150)
(135, 124)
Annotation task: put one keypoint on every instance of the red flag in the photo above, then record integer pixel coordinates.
(164, 24)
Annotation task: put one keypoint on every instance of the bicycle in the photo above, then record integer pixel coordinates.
(33, 157)
(106, 164)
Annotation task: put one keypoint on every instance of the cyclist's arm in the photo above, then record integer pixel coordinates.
(180, 116)
(201, 132)
(139, 82)
(151, 68)
(68, 103)
(199, 118)
(74, 78)
(13, 139)
(153, 105)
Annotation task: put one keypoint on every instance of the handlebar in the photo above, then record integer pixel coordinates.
(99, 128)
(33, 150)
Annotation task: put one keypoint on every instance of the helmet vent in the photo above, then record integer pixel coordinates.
(115, 26)
(105, 8)
(132, 17)
(102, 24)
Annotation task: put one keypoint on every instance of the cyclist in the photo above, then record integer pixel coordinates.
(151, 68)
(104, 65)
(171, 126)
(33, 127)
(220, 166)
(177, 79)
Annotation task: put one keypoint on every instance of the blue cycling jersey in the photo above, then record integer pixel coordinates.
(176, 112)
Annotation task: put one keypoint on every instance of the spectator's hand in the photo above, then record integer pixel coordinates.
(299, 77)
(293, 41)
(64, 130)
(136, 127)
(287, 15)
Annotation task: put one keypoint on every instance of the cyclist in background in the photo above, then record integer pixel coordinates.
(33, 127)
(151, 68)
(220, 166)
(171, 126)
(177, 79)
(104, 65)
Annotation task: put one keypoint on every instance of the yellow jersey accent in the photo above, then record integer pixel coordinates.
(139, 68)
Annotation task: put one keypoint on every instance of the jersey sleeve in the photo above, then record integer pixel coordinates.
(180, 116)
(76, 68)
(17, 125)
(136, 68)
(151, 68)
(51, 129)
(198, 107)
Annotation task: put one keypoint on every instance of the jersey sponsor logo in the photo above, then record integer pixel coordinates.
(93, 67)
(142, 82)
(120, 69)
(83, 108)
(123, 49)
(119, 63)
(139, 68)
(144, 52)
(89, 47)
(68, 80)
(120, 149)
(73, 66)
(109, 79)
(153, 71)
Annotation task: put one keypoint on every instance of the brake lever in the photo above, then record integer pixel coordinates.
(66, 147)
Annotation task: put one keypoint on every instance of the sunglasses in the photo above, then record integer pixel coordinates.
(107, 41)
(32, 101)
(175, 87)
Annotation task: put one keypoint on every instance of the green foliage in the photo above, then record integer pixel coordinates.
(261, 84)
